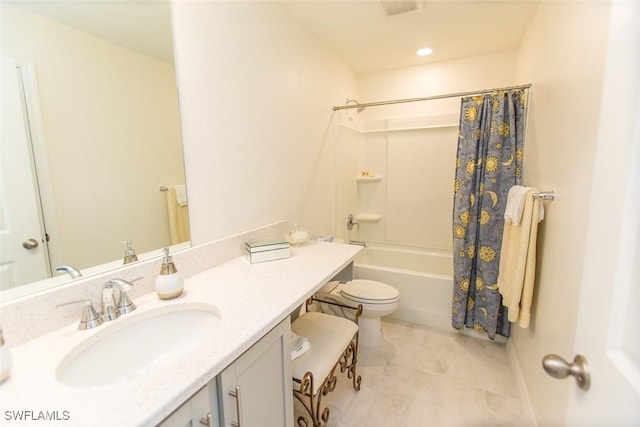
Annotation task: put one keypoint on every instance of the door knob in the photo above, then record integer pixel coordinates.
(30, 244)
(557, 367)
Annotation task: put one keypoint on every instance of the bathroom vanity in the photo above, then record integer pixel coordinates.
(255, 390)
(178, 370)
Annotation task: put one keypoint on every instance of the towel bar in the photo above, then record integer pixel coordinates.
(545, 195)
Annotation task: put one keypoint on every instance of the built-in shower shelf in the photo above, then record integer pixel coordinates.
(368, 217)
(368, 178)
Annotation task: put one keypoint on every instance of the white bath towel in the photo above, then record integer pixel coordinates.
(181, 194)
(517, 269)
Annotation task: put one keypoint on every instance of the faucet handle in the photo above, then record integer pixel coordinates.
(90, 318)
(125, 305)
(124, 285)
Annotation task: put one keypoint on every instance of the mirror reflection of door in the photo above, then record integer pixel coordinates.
(100, 92)
(23, 255)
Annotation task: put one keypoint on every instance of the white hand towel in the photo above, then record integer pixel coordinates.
(299, 345)
(181, 194)
(515, 204)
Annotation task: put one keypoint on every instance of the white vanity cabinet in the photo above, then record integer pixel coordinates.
(200, 409)
(256, 390)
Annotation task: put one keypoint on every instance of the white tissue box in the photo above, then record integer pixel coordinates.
(267, 250)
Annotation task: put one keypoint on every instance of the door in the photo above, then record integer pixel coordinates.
(200, 410)
(22, 247)
(256, 390)
(608, 318)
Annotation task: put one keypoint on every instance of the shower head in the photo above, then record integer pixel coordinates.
(353, 101)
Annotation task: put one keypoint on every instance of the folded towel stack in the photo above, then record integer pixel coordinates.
(299, 345)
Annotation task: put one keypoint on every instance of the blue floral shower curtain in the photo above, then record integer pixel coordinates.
(488, 163)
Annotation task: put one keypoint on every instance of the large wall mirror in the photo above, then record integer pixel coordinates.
(96, 88)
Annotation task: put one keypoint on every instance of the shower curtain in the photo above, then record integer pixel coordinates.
(488, 163)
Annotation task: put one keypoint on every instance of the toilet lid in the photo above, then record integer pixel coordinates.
(369, 290)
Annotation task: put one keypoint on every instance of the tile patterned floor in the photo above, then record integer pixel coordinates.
(425, 377)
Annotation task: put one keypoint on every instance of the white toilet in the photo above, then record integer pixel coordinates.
(378, 299)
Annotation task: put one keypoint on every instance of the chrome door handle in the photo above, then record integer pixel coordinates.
(207, 421)
(30, 244)
(236, 393)
(557, 367)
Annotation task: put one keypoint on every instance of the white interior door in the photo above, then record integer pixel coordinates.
(608, 317)
(19, 210)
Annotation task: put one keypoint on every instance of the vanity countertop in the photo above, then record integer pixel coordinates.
(251, 298)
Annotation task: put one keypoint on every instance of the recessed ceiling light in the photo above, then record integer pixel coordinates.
(424, 51)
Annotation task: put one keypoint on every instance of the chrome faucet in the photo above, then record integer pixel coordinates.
(71, 270)
(112, 309)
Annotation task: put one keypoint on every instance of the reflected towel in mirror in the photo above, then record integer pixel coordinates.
(178, 218)
(181, 194)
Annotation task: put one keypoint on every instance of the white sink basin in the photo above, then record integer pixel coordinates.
(132, 343)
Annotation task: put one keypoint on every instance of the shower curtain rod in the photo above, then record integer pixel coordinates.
(427, 98)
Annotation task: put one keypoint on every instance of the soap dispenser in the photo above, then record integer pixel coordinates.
(170, 283)
(129, 253)
(5, 359)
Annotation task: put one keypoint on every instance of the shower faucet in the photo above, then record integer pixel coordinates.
(351, 221)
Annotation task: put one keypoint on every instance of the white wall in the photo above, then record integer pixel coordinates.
(111, 125)
(255, 94)
(563, 55)
(498, 70)
(348, 163)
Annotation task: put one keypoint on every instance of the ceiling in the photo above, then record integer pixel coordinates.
(364, 37)
(140, 25)
(357, 31)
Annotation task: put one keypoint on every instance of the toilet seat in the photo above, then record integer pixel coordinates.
(369, 292)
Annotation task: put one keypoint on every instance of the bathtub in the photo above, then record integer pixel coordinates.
(424, 279)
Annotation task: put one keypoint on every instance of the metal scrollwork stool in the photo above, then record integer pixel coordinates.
(334, 343)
